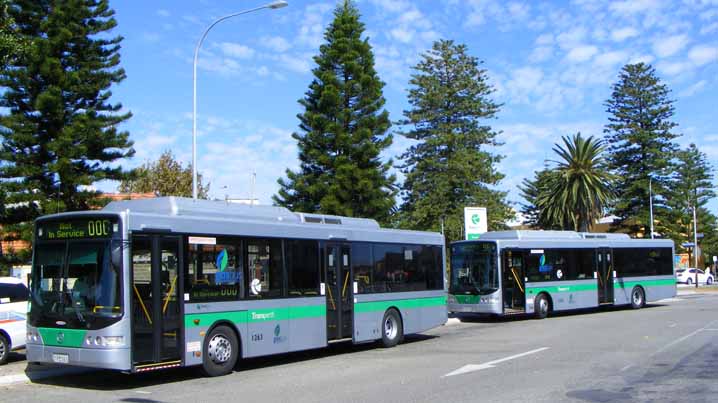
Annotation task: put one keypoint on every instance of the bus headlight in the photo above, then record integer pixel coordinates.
(105, 341)
(113, 341)
(32, 337)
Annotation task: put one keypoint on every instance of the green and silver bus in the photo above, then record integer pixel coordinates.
(149, 284)
(537, 272)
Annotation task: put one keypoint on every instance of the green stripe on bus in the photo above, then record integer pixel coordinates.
(374, 306)
(467, 299)
(645, 283)
(62, 337)
(255, 315)
(563, 288)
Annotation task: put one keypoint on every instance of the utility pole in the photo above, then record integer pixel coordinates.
(650, 202)
(695, 243)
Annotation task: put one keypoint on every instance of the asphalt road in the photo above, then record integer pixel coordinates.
(667, 352)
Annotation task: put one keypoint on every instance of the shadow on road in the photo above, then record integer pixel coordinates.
(112, 380)
(490, 318)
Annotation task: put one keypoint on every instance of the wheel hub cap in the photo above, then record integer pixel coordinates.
(390, 328)
(220, 349)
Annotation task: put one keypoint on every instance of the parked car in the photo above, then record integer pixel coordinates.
(13, 316)
(688, 276)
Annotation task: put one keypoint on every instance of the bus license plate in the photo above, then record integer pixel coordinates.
(61, 358)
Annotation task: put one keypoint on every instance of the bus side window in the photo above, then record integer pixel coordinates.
(265, 271)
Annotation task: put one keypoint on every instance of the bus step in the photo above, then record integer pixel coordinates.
(339, 340)
(513, 311)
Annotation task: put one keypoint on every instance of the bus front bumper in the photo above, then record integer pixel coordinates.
(117, 359)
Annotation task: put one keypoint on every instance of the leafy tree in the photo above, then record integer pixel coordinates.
(691, 185)
(164, 177)
(12, 44)
(579, 191)
(532, 190)
(450, 165)
(641, 146)
(59, 132)
(343, 130)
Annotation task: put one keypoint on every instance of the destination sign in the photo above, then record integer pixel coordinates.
(74, 229)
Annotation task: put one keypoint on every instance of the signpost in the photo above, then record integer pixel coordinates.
(475, 222)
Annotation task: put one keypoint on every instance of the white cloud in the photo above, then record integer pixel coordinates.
(544, 39)
(163, 13)
(708, 29)
(276, 43)
(402, 35)
(621, 34)
(610, 59)
(630, 7)
(313, 24)
(703, 54)
(674, 68)
(665, 47)
(581, 53)
(572, 38)
(693, 89)
(237, 50)
(298, 63)
(541, 54)
(642, 58)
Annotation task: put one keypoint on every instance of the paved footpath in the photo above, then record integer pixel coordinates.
(666, 352)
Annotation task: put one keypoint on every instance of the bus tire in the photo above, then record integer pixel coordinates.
(4, 349)
(638, 298)
(221, 351)
(392, 330)
(541, 306)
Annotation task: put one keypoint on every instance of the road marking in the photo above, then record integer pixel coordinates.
(474, 367)
(672, 325)
(143, 392)
(42, 374)
(453, 321)
(689, 335)
(626, 367)
(15, 378)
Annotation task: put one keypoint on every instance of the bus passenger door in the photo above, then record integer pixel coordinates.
(512, 282)
(605, 276)
(155, 300)
(339, 291)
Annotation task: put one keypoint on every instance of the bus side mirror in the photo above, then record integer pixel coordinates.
(116, 254)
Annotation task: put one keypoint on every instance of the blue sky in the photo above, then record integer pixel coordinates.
(552, 64)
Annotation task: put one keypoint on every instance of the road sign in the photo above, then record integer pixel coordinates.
(475, 222)
(687, 244)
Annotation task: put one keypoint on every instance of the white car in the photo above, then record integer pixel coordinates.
(13, 308)
(688, 276)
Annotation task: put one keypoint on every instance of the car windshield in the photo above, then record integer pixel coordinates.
(75, 282)
(474, 268)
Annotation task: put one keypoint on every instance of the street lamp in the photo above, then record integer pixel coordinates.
(273, 5)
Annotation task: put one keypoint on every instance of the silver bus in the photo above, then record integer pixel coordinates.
(149, 284)
(537, 272)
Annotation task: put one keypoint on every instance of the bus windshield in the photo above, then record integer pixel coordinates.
(74, 285)
(474, 268)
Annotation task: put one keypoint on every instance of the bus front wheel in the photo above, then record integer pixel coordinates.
(541, 306)
(221, 351)
(638, 298)
(4, 349)
(392, 328)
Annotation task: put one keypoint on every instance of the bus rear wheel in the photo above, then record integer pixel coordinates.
(541, 306)
(221, 351)
(638, 298)
(392, 328)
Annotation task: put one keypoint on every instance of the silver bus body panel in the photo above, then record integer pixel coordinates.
(565, 295)
(419, 311)
(119, 358)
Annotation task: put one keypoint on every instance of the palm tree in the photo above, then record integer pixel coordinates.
(579, 192)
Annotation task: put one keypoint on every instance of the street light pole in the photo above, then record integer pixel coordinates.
(695, 243)
(650, 202)
(273, 5)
